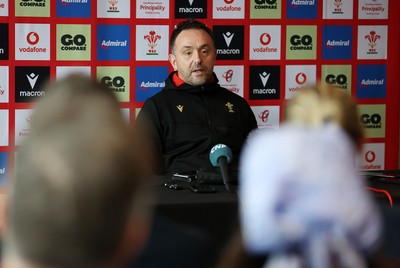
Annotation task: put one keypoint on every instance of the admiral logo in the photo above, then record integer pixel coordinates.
(301, 42)
(191, 8)
(372, 38)
(338, 7)
(112, 42)
(371, 121)
(371, 81)
(337, 43)
(113, 6)
(145, 85)
(149, 81)
(68, 2)
(77, 42)
(106, 44)
(33, 3)
(264, 116)
(297, 3)
(73, 9)
(375, 82)
(265, 4)
(152, 38)
(336, 81)
(32, 39)
(229, 42)
(28, 82)
(117, 84)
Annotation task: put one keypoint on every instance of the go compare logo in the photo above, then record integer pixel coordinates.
(73, 42)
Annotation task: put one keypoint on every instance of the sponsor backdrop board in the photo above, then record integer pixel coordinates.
(267, 51)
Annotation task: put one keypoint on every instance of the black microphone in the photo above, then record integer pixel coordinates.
(221, 155)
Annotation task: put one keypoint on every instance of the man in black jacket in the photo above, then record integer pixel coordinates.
(193, 112)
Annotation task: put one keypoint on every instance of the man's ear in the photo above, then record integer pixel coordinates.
(172, 60)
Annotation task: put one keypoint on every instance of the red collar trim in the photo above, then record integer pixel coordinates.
(177, 80)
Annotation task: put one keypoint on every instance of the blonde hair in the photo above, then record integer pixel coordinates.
(322, 104)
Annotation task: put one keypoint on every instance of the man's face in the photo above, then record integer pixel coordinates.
(193, 56)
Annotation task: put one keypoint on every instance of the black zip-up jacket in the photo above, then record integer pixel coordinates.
(185, 122)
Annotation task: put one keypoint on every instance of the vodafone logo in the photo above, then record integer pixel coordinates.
(228, 2)
(32, 38)
(265, 39)
(370, 156)
(301, 78)
(228, 75)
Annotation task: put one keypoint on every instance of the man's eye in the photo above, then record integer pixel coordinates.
(204, 51)
(187, 53)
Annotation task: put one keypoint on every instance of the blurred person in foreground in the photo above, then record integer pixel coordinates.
(78, 198)
(193, 112)
(302, 202)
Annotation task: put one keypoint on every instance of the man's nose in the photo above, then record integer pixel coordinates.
(197, 57)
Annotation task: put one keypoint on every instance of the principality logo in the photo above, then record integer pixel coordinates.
(264, 115)
(113, 6)
(372, 38)
(228, 75)
(152, 38)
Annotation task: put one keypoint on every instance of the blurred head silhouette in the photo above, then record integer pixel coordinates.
(77, 199)
(315, 106)
(302, 201)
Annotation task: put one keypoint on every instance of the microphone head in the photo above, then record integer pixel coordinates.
(218, 151)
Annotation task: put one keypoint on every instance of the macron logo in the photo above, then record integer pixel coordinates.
(32, 78)
(228, 38)
(191, 2)
(264, 78)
